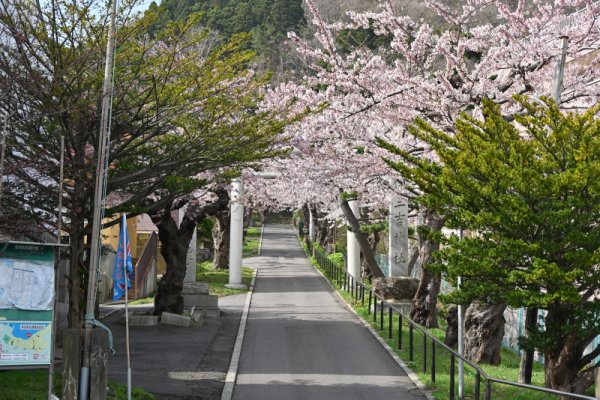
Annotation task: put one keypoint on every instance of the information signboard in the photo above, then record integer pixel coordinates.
(26, 301)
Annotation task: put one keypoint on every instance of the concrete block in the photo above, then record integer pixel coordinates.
(195, 288)
(200, 300)
(211, 312)
(238, 286)
(175, 319)
(142, 319)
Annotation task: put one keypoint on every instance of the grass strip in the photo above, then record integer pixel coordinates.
(218, 278)
(251, 242)
(33, 385)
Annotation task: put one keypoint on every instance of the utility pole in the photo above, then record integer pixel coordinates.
(103, 143)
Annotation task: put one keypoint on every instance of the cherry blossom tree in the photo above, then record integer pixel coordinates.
(484, 49)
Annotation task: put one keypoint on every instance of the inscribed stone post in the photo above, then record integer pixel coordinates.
(398, 237)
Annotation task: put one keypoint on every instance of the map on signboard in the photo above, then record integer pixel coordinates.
(25, 342)
(26, 284)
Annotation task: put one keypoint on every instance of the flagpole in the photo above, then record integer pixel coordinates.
(125, 253)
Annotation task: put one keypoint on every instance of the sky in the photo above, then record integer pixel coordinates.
(145, 4)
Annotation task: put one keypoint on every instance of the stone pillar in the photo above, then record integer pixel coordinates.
(353, 246)
(398, 237)
(190, 271)
(312, 230)
(236, 242)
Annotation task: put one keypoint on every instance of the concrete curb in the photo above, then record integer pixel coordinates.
(239, 341)
(409, 372)
(262, 229)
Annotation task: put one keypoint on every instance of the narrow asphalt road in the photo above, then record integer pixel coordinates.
(302, 342)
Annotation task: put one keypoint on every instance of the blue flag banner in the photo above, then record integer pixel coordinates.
(122, 263)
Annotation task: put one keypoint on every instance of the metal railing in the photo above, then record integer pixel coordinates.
(376, 304)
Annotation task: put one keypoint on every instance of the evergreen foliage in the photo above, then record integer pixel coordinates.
(268, 20)
(530, 192)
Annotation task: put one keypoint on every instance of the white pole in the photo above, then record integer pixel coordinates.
(461, 340)
(312, 231)
(126, 307)
(353, 247)
(236, 242)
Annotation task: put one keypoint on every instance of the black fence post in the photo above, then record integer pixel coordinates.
(424, 353)
(390, 322)
(488, 390)
(362, 293)
(432, 360)
(399, 331)
(381, 320)
(477, 386)
(410, 342)
(375, 309)
(369, 309)
(452, 376)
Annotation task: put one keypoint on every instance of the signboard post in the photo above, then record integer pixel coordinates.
(26, 304)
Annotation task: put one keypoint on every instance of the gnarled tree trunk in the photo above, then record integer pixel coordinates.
(306, 216)
(423, 310)
(76, 265)
(247, 216)
(175, 243)
(221, 232)
(484, 329)
(451, 338)
(565, 366)
(526, 366)
(373, 238)
(323, 232)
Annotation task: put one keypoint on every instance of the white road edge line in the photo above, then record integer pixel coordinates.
(262, 229)
(409, 372)
(237, 348)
